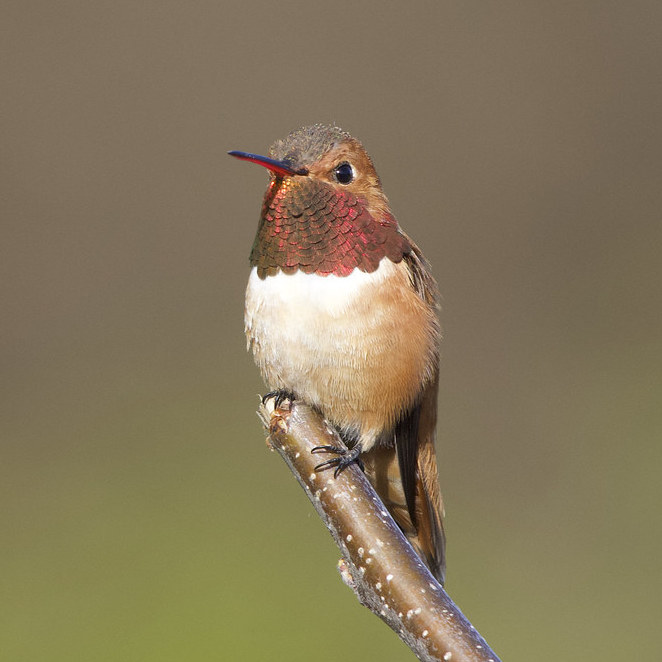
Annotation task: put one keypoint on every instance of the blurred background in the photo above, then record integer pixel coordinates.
(143, 517)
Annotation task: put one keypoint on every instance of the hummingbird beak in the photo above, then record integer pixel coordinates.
(282, 168)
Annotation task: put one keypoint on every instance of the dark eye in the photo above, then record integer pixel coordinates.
(344, 173)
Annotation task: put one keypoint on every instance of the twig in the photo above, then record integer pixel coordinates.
(378, 562)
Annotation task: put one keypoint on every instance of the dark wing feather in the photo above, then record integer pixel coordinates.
(406, 444)
(430, 537)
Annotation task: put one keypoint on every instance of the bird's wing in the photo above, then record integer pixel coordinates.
(415, 437)
(404, 473)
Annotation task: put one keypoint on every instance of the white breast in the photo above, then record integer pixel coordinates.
(356, 346)
(306, 294)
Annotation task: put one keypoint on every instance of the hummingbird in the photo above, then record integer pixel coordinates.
(341, 312)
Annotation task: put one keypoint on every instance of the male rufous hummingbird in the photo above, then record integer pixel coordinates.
(341, 312)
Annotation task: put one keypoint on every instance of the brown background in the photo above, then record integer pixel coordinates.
(142, 517)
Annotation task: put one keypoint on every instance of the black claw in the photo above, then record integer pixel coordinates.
(328, 449)
(279, 395)
(344, 459)
(327, 464)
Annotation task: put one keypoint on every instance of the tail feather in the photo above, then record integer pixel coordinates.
(429, 505)
(430, 537)
(420, 520)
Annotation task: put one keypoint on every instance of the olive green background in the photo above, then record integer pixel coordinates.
(142, 516)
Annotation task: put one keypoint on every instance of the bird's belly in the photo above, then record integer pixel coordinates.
(359, 347)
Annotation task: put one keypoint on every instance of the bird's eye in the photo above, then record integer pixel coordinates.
(344, 173)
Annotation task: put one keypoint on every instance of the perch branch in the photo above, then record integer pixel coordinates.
(378, 562)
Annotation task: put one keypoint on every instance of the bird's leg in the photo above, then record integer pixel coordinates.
(344, 459)
(279, 395)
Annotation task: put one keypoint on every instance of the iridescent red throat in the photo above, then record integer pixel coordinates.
(311, 226)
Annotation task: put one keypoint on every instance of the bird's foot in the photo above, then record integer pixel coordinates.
(279, 395)
(344, 459)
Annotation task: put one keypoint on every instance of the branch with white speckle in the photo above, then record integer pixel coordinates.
(378, 562)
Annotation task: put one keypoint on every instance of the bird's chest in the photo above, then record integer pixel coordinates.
(358, 346)
(302, 324)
